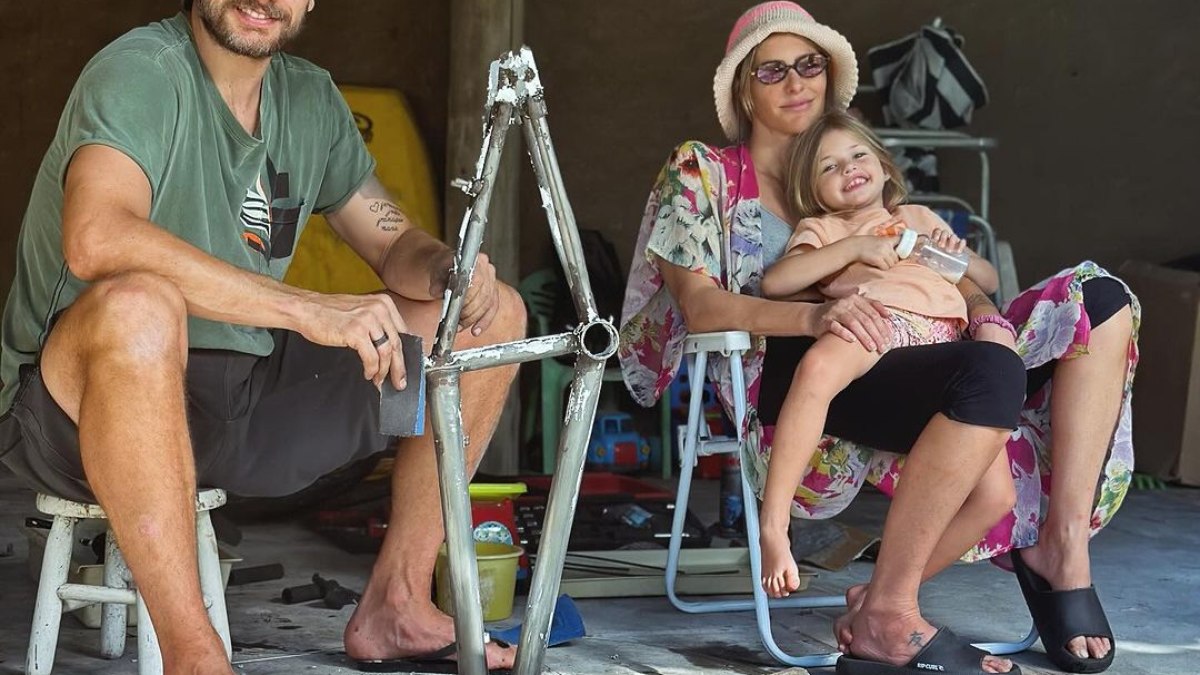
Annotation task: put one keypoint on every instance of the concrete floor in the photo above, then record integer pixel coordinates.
(1146, 565)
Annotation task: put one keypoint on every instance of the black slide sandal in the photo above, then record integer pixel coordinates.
(1061, 616)
(946, 653)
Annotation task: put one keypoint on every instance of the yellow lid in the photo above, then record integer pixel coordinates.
(497, 490)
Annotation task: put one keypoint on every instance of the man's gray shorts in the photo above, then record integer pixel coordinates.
(260, 426)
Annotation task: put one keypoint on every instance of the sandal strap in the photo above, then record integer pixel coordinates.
(1067, 615)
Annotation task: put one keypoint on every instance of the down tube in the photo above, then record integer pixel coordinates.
(560, 512)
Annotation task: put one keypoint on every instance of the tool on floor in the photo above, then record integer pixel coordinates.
(333, 594)
(250, 575)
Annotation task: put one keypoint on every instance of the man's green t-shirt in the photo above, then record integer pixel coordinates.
(242, 198)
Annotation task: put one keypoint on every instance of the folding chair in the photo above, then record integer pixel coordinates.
(733, 344)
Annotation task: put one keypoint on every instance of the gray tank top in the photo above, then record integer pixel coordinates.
(775, 234)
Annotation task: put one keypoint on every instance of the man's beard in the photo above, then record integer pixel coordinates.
(219, 24)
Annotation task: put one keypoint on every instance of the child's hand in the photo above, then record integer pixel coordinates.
(877, 251)
(892, 227)
(948, 241)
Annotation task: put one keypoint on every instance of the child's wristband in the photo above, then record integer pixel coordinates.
(995, 319)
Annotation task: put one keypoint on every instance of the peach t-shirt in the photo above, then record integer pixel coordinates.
(908, 285)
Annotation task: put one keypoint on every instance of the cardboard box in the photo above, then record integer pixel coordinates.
(1166, 388)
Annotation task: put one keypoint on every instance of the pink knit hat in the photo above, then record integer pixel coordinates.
(756, 25)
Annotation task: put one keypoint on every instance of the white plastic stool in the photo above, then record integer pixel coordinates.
(55, 595)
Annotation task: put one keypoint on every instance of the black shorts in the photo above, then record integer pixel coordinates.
(260, 426)
(978, 383)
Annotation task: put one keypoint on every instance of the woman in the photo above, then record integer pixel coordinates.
(716, 217)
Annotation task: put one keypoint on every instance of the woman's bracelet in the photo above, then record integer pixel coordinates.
(995, 319)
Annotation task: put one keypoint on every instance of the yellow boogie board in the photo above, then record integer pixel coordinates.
(323, 262)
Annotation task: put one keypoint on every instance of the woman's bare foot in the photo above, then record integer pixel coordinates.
(895, 638)
(841, 628)
(388, 630)
(780, 574)
(1063, 561)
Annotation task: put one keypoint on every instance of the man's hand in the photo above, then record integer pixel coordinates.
(368, 324)
(483, 295)
(854, 319)
(877, 251)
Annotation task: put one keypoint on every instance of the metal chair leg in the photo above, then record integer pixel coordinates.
(759, 602)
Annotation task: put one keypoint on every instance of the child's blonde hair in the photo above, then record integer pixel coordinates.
(802, 169)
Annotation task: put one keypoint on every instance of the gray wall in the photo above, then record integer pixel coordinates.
(1096, 104)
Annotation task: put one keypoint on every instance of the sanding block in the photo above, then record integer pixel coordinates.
(402, 411)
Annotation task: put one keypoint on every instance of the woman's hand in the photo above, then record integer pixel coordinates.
(990, 332)
(876, 251)
(854, 319)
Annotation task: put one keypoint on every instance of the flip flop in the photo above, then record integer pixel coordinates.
(436, 661)
(1061, 616)
(946, 653)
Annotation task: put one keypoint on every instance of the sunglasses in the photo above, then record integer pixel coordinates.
(808, 67)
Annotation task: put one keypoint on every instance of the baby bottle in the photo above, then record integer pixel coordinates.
(922, 250)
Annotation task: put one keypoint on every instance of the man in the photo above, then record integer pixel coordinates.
(149, 345)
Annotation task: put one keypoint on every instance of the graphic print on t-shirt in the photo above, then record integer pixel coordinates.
(256, 217)
(270, 215)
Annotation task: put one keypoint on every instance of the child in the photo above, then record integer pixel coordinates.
(848, 193)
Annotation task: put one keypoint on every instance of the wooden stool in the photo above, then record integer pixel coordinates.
(55, 595)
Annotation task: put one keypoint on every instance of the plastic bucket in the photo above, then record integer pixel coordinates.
(497, 579)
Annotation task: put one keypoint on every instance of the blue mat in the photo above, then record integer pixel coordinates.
(566, 625)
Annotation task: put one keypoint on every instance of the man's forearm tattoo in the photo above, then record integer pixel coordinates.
(391, 218)
(979, 301)
(916, 639)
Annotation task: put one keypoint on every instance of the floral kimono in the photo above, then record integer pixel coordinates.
(704, 215)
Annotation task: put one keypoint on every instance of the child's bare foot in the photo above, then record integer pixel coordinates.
(780, 574)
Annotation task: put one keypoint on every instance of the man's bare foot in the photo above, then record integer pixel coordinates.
(1064, 562)
(780, 574)
(841, 628)
(381, 630)
(198, 662)
(896, 638)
